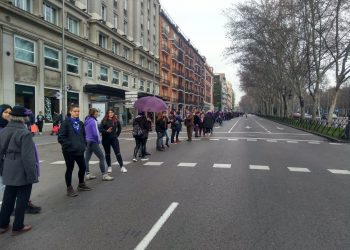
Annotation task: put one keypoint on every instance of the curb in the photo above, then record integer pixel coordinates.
(332, 139)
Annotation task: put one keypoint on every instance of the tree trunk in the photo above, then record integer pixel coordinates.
(332, 106)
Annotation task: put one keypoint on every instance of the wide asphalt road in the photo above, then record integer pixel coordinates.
(253, 184)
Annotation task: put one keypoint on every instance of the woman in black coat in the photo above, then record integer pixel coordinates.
(111, 129)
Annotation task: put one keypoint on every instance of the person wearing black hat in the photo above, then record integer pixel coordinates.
(5, 111)
(16, 148)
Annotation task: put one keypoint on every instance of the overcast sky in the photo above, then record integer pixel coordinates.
(203, 23)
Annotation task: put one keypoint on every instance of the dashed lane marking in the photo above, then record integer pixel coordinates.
(234, 125)
(57, 162)
(314, 142)
(339, 171)
(233, 139)
(252, 140)
(184, 164)
(221, 165)
(259, 167)
(271, 140)
(124, 163)
(152, 163)
(292, 142)
(214, 139)
(337, 144)
(304, 170)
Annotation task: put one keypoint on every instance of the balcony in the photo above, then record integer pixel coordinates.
(166, 49)
(175, 57)
(180, 59)
(166, 66)
(176, 44)
(174, 100)
(176, 72)
(165, 82)
(165, 33)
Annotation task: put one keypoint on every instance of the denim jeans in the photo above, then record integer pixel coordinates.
(160, 136)
(93, 147)
(166, 134)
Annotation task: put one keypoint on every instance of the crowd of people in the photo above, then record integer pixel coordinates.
(19, 161)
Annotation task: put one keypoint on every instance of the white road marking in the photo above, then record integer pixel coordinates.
(156, 227)
(57, 162)
(304, 170)
(93, 162)
(339, 171)
(271, 140)
(129, 139)
(259, 167)
(280, 128)
(333, 143)
(221, 165)
(196, 139)
(151, 163)
(214, 139)
(262, 126)
(252, 140)
(233, 139)
(124, 163)
(292, 141)
(216, 127)
(41, 161)
(314, 142)
(234, 125)
(184, 164)
(248, 127)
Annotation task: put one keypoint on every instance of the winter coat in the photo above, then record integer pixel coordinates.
(197, 120)
(161, 125)
(208, 121)
(92, 132)
(178, 123)
(40, 119)
(143, 123)
(189, 120)
(116, 129)
(17, 153)
(70, 141)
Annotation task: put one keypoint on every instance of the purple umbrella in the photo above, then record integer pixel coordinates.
(150, 104)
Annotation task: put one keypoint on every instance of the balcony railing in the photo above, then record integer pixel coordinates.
(174, 100)
(176, 43)
(165, 49)
(166, 66)
(165, 33)
(165, 82)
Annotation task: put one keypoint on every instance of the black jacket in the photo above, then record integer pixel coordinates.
(161, 125)
(70, 141)
(197, 120)
(116, 129)
(143, 123)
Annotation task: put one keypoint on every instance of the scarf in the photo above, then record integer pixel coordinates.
(76, 124)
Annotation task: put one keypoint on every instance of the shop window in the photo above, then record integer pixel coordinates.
(72, 98)
(25, 96)
(51, 104)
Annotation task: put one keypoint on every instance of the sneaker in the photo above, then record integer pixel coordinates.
(90, 177)
(32, 209)
(109, 170)
(71, 192)
(134, 160)
(144, 159)
(83, 187)
(106, 177)
(123, 170)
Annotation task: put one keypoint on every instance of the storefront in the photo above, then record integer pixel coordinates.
(51, 104)
(25, 96)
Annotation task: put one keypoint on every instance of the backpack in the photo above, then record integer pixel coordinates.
(137, 131)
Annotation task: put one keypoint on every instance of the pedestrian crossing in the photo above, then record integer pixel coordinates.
(268, 140)
(252, 167)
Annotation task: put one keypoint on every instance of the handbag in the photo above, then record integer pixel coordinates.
(34, 129)
(137, 131)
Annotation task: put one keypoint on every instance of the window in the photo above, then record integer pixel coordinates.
(126, 53)
(134, 86)
(24, 50)
(50, 13)
(104, 74)
(24, 4)
(148, 24)
(125, 4)
(102, 41)
(142, 85)
(125, 80)
(142, 61)
(115, 21)
(115, 78)
(125, 27)
(148, 87)
(89, 69)
(72, 64)
(116, 47)
(73, 25)
(104, 12)
(51, 57)
(142, 40)
(149, 63)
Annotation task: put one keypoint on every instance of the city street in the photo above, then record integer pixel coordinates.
(253, 184)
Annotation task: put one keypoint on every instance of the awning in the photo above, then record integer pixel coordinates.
(104, 90)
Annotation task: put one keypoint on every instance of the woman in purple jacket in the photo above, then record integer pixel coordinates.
(93, 139)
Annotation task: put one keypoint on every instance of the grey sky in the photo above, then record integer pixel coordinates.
(203, 23)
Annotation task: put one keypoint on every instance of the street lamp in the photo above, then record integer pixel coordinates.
(63, 84)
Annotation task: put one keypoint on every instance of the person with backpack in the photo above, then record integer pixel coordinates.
(140, 133)
(71, 136)
(93, 139)
(111, 129)
(177, 126)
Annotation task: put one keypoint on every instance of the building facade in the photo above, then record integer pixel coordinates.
(182, 68)
(208, 88)
(222, 97)
(229, 96)
(110, 48)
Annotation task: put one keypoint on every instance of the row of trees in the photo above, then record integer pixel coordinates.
(286, 48)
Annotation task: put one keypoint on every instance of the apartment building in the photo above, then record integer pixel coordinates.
(111, 47)
(208, 88)
(222, 98)
(182, 68)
